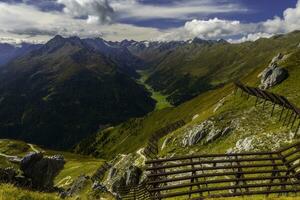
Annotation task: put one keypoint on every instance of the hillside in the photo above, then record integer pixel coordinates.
(75, 166)
(219, 106)
(196, 68)
(64, 91)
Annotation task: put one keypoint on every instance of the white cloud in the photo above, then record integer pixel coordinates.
(212, 28)
(96, 11)
(289, 22)
(251, 37)
(22, 22)
(179, 10)
(218, 28)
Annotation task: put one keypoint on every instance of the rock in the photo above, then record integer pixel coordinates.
(41, 170)
(273, 75)
(8, 175)
(277, 58)
(215, 134)
(219, 104)
(112, 172)
(165, 143)
(76, 186)
(118, 184)
(197, 133)
(133, 175)
(98, 187)
(195, 117)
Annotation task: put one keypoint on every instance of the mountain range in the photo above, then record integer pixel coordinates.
(58, 93)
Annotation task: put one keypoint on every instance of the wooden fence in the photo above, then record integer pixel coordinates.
(289, 113)
(225, 175)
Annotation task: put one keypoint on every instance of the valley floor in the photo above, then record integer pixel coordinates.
(161, 99)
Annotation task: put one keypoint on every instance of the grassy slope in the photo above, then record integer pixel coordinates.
(133, 134)
(193, 69)
(75, 166)
(161, 100)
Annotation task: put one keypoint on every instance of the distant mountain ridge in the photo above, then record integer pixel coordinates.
(9, 52)
(63, 91)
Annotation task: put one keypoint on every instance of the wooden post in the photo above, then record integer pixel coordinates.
(273, 109)
(256, 100)
(287, 114)
(294, 120)
(298, 128)
(281, 113)
(264, 104)
(290, 118)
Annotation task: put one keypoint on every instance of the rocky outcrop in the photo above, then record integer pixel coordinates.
(273, 75)
(197, 133)
(133, 175)
(8, 175)
(41, 170)
(76, 186)
(205, 132)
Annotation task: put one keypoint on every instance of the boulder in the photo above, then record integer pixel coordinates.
(197, 133)
(273, 75)
(118, 184)
(98, 187)
(76, 187)
(215, 134)
(41, 170)
(8, 175)
(133, 175)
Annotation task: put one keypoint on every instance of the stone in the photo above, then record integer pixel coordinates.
(8, 175)
(133, 175)
(165, 143)
(98, 187)
(117, 184)
(197, 133)
(41, 170)
(76, 186)
(273, 75)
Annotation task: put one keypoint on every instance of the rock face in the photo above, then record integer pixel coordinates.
(76, 187)
(205, 132)
(273, 75)
(7, 175)
(133, 175)
(197, 133)
(41, 170)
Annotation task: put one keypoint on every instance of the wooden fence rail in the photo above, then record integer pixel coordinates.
(292, 112)
(225, 175)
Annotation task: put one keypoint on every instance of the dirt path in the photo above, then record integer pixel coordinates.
(33, 148)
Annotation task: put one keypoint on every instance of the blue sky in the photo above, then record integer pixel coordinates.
(234, 20)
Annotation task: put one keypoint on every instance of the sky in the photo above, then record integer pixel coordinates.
(37, 21)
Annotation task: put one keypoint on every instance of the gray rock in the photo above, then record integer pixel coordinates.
(273, 75)
(8, 175)
(112, 172)
(133, 175)
(277, 58)
(215, 134)
(99, 187)
(76, 186)
(118, 184)
(197, 133)
(41, 170)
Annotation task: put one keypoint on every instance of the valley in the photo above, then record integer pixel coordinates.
(161, 99)
(197, 90)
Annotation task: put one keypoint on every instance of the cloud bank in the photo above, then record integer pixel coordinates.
(39, 20)
(216, 28)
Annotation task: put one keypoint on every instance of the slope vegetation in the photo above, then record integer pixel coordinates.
(65, 90)
(251, 128)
